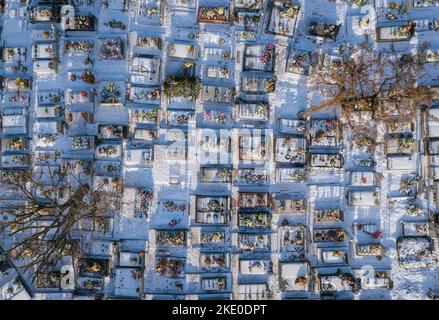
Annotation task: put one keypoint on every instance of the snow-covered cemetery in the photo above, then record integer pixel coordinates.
(219, 149)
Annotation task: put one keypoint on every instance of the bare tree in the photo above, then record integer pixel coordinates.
(44, 213)
(362, 78)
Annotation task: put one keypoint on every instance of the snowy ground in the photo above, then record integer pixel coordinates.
(178, 181)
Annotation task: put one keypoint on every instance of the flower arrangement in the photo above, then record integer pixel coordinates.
(137, 274)
(347, 278)
(41, 12)
(150, 115)
(403, 32)
(261, 108)
(213, 260)
(21, 84)
(360, 3)
(366, 163)
(214, 205)
(248, 4)
(407, 185)
(270, 85)
(377, 234)
(189, 65)
(171, 238)
(215, 237)
(221, 284)
(111, 49)
(248, 21)
(145, 193)
(170, 206)
(293, 235)
(94, 268)
(82, 22)
(414, 209)
(191, 50)
(248, 35)
(267, 55)
(87, 77)
(400, 8)
(16, 143)
(101, 224)
(432, 56)
(80, 142)
(301, 127)
(214, 116)
(336, 254)
(91, 284)
(251, 177)
(288, 12)
(17, 159)
(109, 151)
(335, 235)
(47, 140)
(148, 12)
(406, 143)
(154, 94)
(110, 93)
(329, 215)
(146, 42)
(76, 47)
(114, 131)
(11, 53)
(391, 16)
(223, 174)
(362, 140)
(225, 55)
(376, 196)
(213, 14)
(224, 71)
(322, 29)
(182, 119)
(114, 24)
(169, 267)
